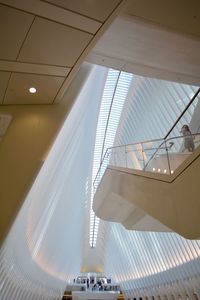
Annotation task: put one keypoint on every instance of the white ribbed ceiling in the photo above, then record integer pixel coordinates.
(53, 224)
(152, 107)
(114, 94)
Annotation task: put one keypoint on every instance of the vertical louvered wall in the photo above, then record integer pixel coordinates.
(153, 264)
(152, 107)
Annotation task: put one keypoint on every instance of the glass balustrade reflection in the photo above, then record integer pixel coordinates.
(162, 156)
(159, 161)
(157, 156)
(172, 153)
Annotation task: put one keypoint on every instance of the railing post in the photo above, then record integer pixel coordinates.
(166, 147)
(143, 157)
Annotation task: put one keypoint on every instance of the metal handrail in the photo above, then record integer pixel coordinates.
(186, 108)
(154, 140)
(110, 149)
(157, 149)
(100, 165)
(110, 109)
(122, 146)
(164, 142)
(135, 143)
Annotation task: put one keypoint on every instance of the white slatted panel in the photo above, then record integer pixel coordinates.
(140, 260)
(152, 107)
(44, 247)
(113, 98)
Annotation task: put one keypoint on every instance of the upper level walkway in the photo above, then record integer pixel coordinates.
(152, 186)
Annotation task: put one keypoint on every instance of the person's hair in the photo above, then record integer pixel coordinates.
(186, 127)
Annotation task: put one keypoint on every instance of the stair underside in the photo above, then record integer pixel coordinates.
(152, 202)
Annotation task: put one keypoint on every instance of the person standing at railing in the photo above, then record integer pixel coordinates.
(188, 138)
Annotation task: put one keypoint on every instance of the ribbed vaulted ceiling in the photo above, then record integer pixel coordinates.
(53, 224)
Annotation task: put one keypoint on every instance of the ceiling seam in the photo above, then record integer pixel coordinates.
(51, 20)
(6, 88)
(73, 11)
(32, 73)
(25, 38)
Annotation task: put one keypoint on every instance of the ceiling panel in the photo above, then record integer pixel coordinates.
(95, 9)
(52, 43)
(149, 50)
(184, 15)
(55, 13)
(20, 67)
(43, 43)
(18, 89)
(14, 25)
(4, 78)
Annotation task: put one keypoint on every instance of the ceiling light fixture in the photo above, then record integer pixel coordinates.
(32, 90)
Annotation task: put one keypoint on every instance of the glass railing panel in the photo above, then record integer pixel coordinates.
(172, 153)
(157, 156)
(149, 148)
(163, 156)
(186, 146)
(179, 153)
(134, 156)
(128, 156)
(159, 162)
(118, 156)
(196, 140)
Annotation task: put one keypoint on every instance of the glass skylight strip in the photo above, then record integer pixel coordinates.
(114, 95)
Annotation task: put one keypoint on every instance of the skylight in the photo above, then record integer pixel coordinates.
(114, 94)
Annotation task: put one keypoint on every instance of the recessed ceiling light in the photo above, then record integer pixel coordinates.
(32, 90)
